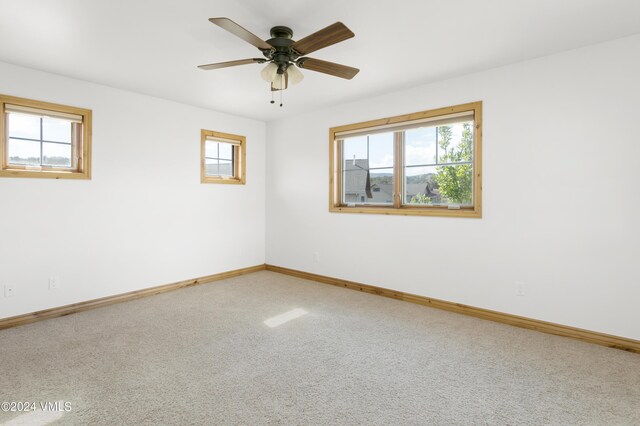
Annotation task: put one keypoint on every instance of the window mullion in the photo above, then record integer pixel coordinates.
(41, 143)
(339, 197)
(398, 140)
(4, 136)
(76, 148)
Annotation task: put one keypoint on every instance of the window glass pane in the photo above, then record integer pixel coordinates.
(214, 167)
(24, 126)
(24, 152)
(381, 150)
(382, 186)
(439, 185)
(420, 186)
(54, 129)
(368, 169)
(56, 154)
(355, 149)
(226, 151)
(355, 180)
(211, 167)
(376, 150)
(211, 149)
(367, 186)
(226, 168)
(455, 142)
(420, 146)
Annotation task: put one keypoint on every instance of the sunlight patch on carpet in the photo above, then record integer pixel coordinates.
(285, 317)
(33, 418)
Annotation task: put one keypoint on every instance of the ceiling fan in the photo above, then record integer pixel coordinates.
(285, 56)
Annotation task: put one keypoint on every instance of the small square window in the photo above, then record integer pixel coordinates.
(223, 158)
(44, 140)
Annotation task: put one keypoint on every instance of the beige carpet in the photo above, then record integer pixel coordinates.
(203, 355)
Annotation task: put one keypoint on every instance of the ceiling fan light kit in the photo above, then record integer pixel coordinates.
(285, 56)
(279, 82)
(295, 76)
(269, 72)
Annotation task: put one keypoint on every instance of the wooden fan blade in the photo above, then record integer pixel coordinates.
(330, 68)
(231, 63)
(332, 34)
(237, 30)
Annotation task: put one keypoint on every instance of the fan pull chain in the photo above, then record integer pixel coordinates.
(272, 101)
(281, 97)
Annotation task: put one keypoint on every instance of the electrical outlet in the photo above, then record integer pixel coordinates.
(9, 290)
(54, 283)
(520, 289)
(316, 257)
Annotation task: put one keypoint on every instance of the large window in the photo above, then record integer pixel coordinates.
(44, 140)
(222, 158)
(426, 163)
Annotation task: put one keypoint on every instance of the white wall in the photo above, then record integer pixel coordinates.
(560, 198)
(144, 219)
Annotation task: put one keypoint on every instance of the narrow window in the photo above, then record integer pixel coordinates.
(426, 163)
(44, 140)
(222, 158)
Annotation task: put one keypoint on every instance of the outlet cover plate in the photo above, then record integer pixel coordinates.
(54, 283)
(9, 290)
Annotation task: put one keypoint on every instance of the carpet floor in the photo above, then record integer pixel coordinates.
(204, 355)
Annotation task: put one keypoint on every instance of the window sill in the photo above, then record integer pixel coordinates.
(46, 174)
(231, 181)
(469, 212)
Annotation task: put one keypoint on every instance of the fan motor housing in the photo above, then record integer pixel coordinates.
(281, 39)
(281, 31)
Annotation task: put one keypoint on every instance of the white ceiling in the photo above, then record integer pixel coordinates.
(154, 46)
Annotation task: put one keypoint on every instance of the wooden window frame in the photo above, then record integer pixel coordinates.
(399, 208)
(80, 142)
(239, 154)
